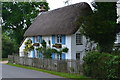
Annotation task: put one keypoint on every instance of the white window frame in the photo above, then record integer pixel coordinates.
(36, 38)
(59, 39)
(79, 38)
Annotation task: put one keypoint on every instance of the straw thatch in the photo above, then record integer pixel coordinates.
(59, 21)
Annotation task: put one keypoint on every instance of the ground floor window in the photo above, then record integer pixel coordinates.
(77, 56)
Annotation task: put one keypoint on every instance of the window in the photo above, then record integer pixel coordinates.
(78, 39)
(36, 38)
(59, 39)
(77, 56)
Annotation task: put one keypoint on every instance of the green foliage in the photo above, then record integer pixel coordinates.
(29, 41)
(28, 46)
(43, 43)
(18, 16)
(102, 66)
(9, 46)
(59, 52)
(100, 26)
(65, 50)
(54, 51)
(47, 51)
(39, 49)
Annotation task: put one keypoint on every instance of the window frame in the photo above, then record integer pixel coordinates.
(79, 39)
(59, 39)
(36, 38)
(77, 55)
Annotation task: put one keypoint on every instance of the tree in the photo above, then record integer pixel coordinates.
(100, 26)
(8, 46)
(18, 16)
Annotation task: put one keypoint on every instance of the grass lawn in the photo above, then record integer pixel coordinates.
(65, 75)
(3, 59)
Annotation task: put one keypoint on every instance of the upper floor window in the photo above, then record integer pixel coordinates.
(59, 39)
(36, 38)
(78, 39)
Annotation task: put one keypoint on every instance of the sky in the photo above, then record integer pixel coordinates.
(54, 4)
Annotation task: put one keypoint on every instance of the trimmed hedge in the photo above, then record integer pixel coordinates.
(102, 66)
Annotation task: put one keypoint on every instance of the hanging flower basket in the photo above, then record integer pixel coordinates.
(57, 46)
(36, 44)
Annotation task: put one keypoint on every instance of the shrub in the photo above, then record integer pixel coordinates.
(65, 50)
(102, 66)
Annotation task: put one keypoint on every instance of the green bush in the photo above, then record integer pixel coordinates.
(9, 46)
(102, 66)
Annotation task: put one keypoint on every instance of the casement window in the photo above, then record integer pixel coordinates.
(33, 39)
(40, 39)
(36, 38)
(78, 39)
(53, 55)
(59, 38)
(33, 53)
(63, 56)
(77, 56)
(53, 39)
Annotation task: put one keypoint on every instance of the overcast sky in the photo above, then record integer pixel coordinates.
(54, 4)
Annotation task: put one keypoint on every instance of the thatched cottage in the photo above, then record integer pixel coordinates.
(59, 26)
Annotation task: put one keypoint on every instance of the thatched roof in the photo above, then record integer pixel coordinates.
(59, 21)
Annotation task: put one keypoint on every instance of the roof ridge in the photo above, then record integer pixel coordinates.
(65, 7)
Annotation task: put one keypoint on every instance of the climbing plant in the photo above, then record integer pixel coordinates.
(47, 50)
(28, 46)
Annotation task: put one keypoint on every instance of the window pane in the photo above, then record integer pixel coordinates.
(36, 38)
(78, 56)
(78, 39)
(59, 39)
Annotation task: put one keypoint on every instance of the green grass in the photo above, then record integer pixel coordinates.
(65, 75)
(3, 59)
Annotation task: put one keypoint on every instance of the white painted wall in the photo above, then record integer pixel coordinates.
(70, 44)
(67, 44)
(47, 38)
(80, 48)
(77, 48)
(21, 52)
